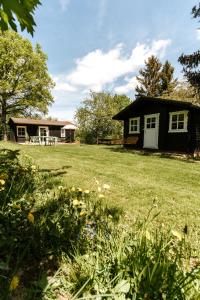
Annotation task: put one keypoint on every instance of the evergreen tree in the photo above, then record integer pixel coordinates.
(191, 62)
(149, 78)
(156, 79)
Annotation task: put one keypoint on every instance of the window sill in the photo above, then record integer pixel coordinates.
(134, 132)
(178, 131)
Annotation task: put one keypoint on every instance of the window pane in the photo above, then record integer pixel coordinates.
(181, 117)
(153, 120)
(181, 125)
(153, 125)
(148, 125)
(174, 118)
(174, 125)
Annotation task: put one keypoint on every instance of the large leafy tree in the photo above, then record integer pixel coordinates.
(94, 117)
(155, 79)
(18, 10)
(25, 85)
(191, 62)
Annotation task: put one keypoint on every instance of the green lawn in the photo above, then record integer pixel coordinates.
(136, 180)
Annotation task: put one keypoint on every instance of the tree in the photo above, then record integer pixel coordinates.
(94, 117)
(25, 85)
(155, 79)
(191, 62)
(22, 10)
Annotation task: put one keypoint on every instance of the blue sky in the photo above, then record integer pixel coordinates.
(101, 44)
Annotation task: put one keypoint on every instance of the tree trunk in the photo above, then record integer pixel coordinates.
(3, 120)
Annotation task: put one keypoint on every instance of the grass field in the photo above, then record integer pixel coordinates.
(137, 180)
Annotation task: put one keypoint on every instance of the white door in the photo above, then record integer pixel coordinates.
(43, 131)
(151, 129)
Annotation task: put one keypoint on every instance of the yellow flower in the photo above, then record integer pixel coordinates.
(31, 217)
(99, 189)
(75, 202)
(83, 213)
(79, 189)
(177, 234)
(2, 182)
(86, 191)
(101, 196)
(33, 167)
(106, 187)
(14, 283)
(60, 187)
(73, 189)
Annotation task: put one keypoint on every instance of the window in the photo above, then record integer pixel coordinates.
(178, 121)
(21, 131)
(134, 125)
(151, 122)
(62, 132)
(43, 131)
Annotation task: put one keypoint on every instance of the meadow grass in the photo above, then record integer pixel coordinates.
(137, 180)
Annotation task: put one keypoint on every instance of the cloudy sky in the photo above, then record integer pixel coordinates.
(101, 44)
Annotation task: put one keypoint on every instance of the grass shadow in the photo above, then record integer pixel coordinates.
(184, 157)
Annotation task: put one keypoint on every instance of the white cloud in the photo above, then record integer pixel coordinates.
(64, 4)
(198, 34)
(98, 69)
(129, 86)
(62, 85)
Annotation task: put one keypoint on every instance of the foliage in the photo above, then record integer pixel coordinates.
(24, 80)
(133, 264)
(190, 62)
(155, 79)
(23, 10)
(94, 117)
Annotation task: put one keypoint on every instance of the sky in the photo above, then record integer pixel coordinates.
(100, 45)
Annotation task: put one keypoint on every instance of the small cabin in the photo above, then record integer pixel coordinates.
(23, 130)
(161, 124)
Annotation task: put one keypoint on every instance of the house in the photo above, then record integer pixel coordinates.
(22, 130)
(163, 124)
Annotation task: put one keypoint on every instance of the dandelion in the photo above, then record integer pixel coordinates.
(86, 191)
(73, 189)
(101, 196)
(33, 167)
(79, 189)
(106, 187)
(60, 187)
(75, 202)
(30, 217)
(83, 213)
(99, 189)
(2, 182)
(14, 283)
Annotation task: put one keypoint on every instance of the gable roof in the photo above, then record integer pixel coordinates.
(143, 99)
(24, 121)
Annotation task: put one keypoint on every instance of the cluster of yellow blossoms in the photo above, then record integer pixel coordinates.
(2, 182)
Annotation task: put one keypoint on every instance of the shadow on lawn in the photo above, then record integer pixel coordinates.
(56, 172)
(188, 158)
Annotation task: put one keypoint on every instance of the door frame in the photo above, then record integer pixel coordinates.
(157, 116)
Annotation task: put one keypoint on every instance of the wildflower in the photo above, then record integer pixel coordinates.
(79, 189)
(101, 196)
(31, 217)
(2, 182)
(86, 191)
(106, 187)
(60, 187)
(14, 283)
(177, 234)
(73, 189)
(33, 167)
(99, 189)
(83, 213)
(75, 202)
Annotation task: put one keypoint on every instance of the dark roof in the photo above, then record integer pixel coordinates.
(143, 99)
(39, 122)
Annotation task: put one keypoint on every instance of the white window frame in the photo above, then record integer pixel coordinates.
(185, 121)
(46, 127)
(18, 131)
(138, 125)
(62, 134)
